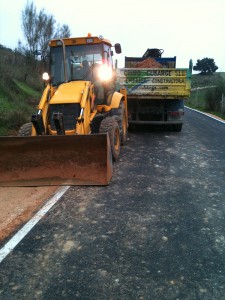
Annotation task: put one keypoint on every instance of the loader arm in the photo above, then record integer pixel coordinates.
(87, 112)
(40, 119)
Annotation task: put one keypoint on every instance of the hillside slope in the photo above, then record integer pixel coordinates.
(207, 80)
(207, 93)
(20, 89)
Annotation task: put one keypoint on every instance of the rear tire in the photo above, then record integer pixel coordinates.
(111, 126)
(177, 127)
(25, 130)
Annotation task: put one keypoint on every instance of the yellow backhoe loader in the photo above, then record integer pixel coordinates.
(80, 122)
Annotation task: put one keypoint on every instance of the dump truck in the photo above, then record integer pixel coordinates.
(81, 120)
(155, 88)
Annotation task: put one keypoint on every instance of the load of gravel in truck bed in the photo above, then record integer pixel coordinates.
(148, 63)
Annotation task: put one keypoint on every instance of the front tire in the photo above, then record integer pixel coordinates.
(122, 121)
(110, 125)
(25, 130)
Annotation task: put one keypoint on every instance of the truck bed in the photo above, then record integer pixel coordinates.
(166, 62)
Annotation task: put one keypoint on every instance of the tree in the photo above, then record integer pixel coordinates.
(206, 66)
(29, 26)
(39, 29)
(45, 27)
(62, 31)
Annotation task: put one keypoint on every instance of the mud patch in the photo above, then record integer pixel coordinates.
(19, 204)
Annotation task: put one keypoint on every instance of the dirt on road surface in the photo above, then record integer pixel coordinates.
(19, 204)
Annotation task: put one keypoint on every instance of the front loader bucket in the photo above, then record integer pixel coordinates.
(55, 160)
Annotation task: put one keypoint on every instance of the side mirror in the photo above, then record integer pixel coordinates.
(118, 48)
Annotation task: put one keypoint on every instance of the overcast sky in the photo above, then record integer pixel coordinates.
(187, 29)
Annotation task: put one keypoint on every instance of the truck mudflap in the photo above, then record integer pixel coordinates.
(55, 160)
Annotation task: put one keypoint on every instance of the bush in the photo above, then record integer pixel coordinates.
(214, 97)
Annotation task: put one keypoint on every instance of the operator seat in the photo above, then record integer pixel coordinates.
(85, 69)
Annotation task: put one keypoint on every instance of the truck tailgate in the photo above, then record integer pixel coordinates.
(155, 83)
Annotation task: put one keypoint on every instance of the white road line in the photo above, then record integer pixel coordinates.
(205, 114)
(14, 241)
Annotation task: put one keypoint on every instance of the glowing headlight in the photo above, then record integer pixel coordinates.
(105, 73)
(45, 76)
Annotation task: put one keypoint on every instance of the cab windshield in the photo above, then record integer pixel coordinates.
(78, 61)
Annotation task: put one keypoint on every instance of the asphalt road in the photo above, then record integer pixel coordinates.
(157, 232)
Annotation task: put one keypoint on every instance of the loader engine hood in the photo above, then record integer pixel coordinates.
(70, 92)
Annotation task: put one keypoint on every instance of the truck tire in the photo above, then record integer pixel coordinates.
(25, 130)
(110, 125)
(122, 121)
(177, 127)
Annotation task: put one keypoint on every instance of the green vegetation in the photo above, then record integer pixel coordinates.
(26, 89)
(206, 95)
(20, 89)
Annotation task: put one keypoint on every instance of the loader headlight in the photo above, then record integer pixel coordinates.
(105, 73)
(45, 76)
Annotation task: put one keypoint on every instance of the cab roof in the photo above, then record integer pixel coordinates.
(80, 41)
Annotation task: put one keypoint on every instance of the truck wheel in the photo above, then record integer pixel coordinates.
(111, 126)
(25, 130)
(122, 121)
(177, 127)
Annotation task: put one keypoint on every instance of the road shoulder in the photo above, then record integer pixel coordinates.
(19, 204)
